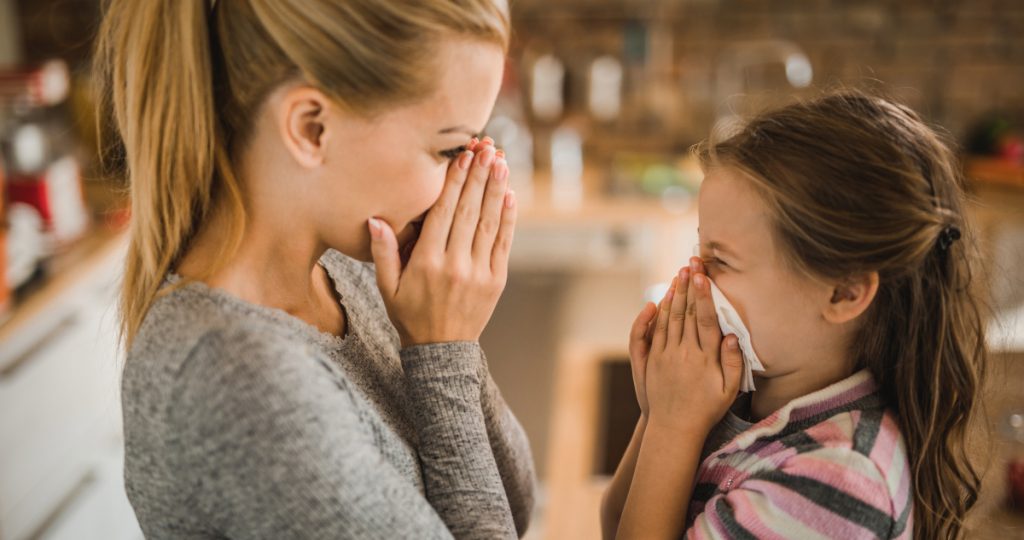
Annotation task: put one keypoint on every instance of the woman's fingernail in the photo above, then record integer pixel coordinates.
(684, 274)
(510, 199)
(487, 157)
(466, 159)
(375, 228)
(732, 343)
(488, 140)
(500, 153)
(500, 170)
(698, 280)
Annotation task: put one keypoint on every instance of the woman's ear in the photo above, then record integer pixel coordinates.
(851, 297)
(303, 124)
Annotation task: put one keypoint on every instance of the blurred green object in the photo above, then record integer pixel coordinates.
(989, 135)
(652, 173)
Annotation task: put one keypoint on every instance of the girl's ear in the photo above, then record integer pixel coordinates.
(851, 298)
(303, 125)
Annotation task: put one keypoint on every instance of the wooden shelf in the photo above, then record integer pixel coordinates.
(994, 171)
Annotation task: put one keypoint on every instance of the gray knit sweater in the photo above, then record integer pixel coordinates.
(244, 422)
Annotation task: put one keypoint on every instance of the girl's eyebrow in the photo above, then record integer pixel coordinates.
(718, 246)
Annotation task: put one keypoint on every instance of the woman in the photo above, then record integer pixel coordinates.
(275, 386)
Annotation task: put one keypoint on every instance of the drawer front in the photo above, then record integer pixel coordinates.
(57, 405)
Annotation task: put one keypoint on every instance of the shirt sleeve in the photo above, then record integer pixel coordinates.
(825, 493)
(459, 467)
(273, 446)
(511, 449)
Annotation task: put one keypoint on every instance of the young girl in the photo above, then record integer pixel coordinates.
(276, 384)
(834, 229)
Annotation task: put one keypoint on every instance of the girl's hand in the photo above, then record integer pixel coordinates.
(458, 267)
(692, 375)
(639, 348)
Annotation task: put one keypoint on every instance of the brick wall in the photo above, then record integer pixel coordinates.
(952, 60)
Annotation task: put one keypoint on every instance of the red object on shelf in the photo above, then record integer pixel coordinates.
(33, 192)
(36, 86)
(56, 193)
(1015, 477)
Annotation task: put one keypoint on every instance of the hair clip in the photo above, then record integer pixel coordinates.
(948, 235)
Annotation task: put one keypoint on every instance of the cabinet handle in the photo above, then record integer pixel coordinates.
(65, 502)
(8, 371)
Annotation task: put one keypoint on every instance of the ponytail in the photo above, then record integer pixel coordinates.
(153, 68)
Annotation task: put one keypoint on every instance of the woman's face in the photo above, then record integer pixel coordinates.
(781, 308)
(394, 165)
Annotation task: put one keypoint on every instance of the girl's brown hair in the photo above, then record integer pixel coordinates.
(859, 184)
(184, 80)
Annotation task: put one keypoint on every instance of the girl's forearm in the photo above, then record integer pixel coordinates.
(615, 496)
(659, 495)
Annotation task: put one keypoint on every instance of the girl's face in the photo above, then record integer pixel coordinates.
(394, 165)
(781, 308)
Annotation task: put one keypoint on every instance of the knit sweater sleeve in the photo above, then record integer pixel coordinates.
(831, 492)
(272, 447)
(511, 449)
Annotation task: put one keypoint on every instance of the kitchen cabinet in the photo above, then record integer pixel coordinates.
(60, 419)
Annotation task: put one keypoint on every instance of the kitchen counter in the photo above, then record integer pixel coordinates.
(85, 256)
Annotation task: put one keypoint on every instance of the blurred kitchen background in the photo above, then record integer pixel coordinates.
(602, 99)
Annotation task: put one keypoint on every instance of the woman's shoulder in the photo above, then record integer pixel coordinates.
(189, 334)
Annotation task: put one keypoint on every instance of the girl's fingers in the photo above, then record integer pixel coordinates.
(677, 313)
(658, 340)
(638, 340)
(506, 231)
(732, 365)
(490, 213)
(709, 333)
(690, 325)
(467, 213)
(437, 226)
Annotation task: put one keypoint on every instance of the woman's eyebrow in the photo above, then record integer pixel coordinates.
(459, 129)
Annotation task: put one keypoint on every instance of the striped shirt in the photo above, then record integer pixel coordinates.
(831, 464)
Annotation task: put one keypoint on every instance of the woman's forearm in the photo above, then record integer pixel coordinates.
(511, 450)
(659, 495)
(615, 496)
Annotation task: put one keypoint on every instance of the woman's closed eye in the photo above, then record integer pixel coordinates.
(452, 153)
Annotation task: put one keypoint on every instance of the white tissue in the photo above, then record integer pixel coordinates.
(730, 322)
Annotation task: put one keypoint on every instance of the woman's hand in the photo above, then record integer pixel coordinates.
(692, 375)
(457, 270)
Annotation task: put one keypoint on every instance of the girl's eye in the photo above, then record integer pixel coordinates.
(714, 261)
(453, 153)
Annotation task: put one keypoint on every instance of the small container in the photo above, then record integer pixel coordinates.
(1014, 430)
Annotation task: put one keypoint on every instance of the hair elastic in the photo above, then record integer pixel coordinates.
(948, 235)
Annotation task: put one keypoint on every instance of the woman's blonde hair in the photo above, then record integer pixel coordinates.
(184, 80)
(856, 184)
